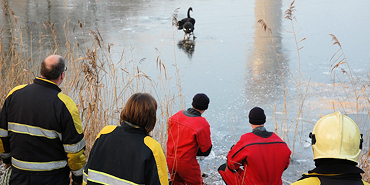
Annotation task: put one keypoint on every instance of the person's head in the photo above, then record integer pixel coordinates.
(140, 109)
(200, 102)
(53, 68)
(257, 117)
(336, 136)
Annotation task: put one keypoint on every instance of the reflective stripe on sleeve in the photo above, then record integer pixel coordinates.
(75, 147)
(4, 155)
(38, 166)
(78, 172)
(84, 177)
(3, 133)
(33, 131)
(104, 178)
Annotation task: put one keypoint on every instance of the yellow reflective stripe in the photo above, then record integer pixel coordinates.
(46, 80)
(104, 178)
(72, 108)
(14, 89)
(3, 133)
(159, 157)
(38, 166)
(75, 147)
(33, 131)
(84, 177)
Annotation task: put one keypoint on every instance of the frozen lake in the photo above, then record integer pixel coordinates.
(234, 60)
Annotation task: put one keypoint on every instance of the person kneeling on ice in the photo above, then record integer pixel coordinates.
(336, 144)
(189, 135)
(263, 155)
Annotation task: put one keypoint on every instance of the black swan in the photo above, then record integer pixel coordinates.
(187, 24)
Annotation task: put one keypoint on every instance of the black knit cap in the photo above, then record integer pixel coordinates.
(200, 101)
(257, 116)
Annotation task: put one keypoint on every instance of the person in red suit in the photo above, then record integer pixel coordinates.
(259, 157)
(189, 136)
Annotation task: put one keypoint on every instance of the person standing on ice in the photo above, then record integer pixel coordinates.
(189, 136)
(259, 157)
(336, 144)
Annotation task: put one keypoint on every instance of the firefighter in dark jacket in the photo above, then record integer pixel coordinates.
(263, 155)
(127, 154)
(189, 136)
(336, 144)
(41, 132)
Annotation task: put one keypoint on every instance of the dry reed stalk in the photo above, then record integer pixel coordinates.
(285, 126)
(278, 60)
(355, 99)
(96, 80)
(289, 14)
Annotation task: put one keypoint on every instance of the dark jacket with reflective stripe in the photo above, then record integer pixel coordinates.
(125, 155)
(41, 130)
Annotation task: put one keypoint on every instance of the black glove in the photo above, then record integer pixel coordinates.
(76, 180)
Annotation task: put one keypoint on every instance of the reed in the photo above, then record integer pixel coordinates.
(354, 99)
(99, 78)
(286, 125)
(349, 94)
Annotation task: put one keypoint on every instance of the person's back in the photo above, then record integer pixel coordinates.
(189, 136)
(45, 138)
(263, 155)
(183, 143)
(127, 154)
(24, 114)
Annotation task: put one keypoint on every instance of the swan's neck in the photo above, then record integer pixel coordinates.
(189, 13)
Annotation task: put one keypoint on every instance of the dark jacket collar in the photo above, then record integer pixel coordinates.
(335, 169)
(192, 113)
(129, 127)
(262, 132)
(46, 83)
(335, 166)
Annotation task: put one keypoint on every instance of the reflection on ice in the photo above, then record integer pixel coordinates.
(188, 46)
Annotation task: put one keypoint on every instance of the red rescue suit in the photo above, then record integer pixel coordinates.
(264, 157)
(188, 136)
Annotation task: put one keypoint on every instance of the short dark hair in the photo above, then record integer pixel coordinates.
(141, 110)
(55, 71)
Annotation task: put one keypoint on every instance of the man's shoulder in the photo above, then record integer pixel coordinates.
(66, 99)
(16, 88)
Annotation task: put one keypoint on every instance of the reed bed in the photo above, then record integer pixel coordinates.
(99, 79)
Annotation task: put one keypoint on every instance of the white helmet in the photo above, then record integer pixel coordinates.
(336, 136)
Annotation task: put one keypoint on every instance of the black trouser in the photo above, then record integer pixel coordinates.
(61, 177)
